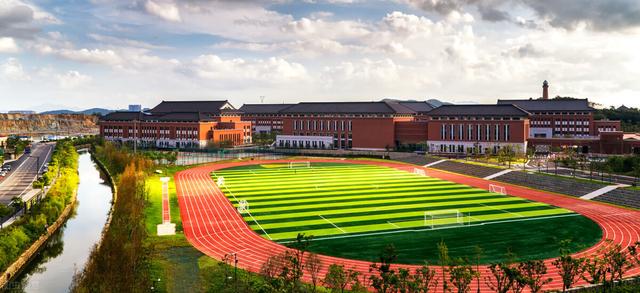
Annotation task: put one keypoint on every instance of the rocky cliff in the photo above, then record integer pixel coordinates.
(41, 124)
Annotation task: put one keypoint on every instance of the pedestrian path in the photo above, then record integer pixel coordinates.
(602, 191)
(497, 174)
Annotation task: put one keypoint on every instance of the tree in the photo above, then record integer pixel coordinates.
(461, 275)
(478, 255)
(443, 257)
(296, 259)
(386, 278)
(336, 278)
(314, 265)
(502, 277)
(594, 271)
(423, 279)
(569, 268)
(533, 271)
(617, 262)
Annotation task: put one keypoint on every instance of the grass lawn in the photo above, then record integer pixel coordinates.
(353, 210)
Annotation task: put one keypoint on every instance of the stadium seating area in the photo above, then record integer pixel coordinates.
(412, 158)
(467, 169)
(622, 197)
(566, 186)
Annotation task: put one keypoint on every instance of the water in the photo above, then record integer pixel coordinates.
(68, 249)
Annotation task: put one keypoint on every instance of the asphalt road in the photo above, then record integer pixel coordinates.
(24, 170)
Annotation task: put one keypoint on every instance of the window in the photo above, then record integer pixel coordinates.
(315, 125)
(350, 125)
(321, 125)
(461, 132)
(497, 136)
(469, 132)
(453, 132)
(335, 125)
(487, 132)
(443, 132)
(342, 125)
(295, 124)
(479, 132)
(507, 135)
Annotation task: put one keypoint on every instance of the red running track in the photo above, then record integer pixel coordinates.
(213, 226)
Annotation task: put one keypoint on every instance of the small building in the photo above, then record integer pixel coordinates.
(179, 124)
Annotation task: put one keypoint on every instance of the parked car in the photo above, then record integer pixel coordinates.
(6, 167)
(3, 173)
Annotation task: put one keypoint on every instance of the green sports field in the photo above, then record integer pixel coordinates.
(353, 210)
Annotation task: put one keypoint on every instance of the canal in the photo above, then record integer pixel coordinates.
(68, 249)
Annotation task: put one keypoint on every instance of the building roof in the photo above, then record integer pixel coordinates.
(532, 105)
(347, 108)
(263, 108)
(418, 107)
(479, 110)
(122, 116)
(214, 107)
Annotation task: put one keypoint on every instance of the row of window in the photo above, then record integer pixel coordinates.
(561, 113)
(474, 118)
(484, 132)
(331, 125)
(452, 148)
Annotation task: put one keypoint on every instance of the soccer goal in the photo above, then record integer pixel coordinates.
(420, 172)
(497, 189)
(443, 218)
(293, 165)
(220, 181)
(243, 206)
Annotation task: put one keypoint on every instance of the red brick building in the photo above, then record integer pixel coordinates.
(477, 129)
(179, 124)
(343, 125)
(264, 118)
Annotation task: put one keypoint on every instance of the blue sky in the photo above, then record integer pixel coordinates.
(100, 53)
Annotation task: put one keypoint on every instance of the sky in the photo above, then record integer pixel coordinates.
(79, 54)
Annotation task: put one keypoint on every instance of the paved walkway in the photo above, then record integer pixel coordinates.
(497, 174)
(434, 163)
(602, 191)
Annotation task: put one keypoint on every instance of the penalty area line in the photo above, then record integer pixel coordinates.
(431, 229)
(343, 231)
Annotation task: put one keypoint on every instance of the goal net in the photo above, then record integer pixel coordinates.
(420, 172)
(443, 218)
(243, 206)
(220, 181)
(293, 165)
(497, 189)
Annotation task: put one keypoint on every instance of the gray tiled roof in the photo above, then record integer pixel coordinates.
(479, 110)
(174, 116)
(122, 116)
(348, 108)
(213, 107)
(532, 105)
(419, 107)
(263, 108)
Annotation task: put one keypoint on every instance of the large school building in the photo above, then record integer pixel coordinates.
(543, 124)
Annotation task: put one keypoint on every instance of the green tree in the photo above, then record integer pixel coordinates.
(569, 268)
(336, 278)
(383, 278)
(443, 259)
(461, 275)
(533, 271)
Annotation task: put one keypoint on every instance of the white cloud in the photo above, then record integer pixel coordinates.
(72, 79)
(165, 10)
(8, 45)
(264, 71)
(12, 70)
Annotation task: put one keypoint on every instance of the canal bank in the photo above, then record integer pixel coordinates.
(52, 267)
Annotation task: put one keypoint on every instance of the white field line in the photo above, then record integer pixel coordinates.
(515, 214)
(343, 231)
(392, 224)
(250, 215)
(429, 229)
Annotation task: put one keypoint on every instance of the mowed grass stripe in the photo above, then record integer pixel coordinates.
(515, 208)
(417, 224)
(311, 172)
(248, 182)
(442, 194)
(319, 193)
(361, 207)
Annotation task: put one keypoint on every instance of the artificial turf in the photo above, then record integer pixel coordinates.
(353, 210)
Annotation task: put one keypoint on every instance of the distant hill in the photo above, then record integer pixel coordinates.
(100, 111)
(437, 103)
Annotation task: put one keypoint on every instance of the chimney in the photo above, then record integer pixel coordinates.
(545, 90)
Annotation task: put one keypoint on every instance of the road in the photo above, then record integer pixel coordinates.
(24, 170)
